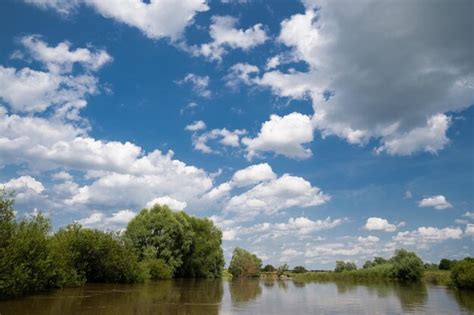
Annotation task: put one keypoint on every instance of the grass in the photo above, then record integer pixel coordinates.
(226, 274)
(437, 277)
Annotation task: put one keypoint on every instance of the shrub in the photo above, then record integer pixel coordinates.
(406, 266)
(462, 274)
(244, 264)
(344, 266)
(268, 268)
(446, 264)
(299, 269)
(157, 269)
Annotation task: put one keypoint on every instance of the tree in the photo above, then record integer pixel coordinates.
(345, 266)
(446, 264)
(406, 266)
(244, 264)
(205, 258)
(299, 269)
(282, 269)
(169, 234)
(367, 264)
(462, 273)
(268, 268)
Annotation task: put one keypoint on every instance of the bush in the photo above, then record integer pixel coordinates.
(462, 274)
(268, 268)
(446, 264)
(157, 269)
(299, 269)
(86, 255)
(406, 266)
(244, 264)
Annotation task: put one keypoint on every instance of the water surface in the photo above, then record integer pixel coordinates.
(246, 297)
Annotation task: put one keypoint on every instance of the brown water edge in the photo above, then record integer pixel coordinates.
(250, 296)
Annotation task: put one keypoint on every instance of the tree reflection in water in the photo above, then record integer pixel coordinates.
(244, 290)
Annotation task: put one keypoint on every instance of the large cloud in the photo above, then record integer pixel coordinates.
(391, 75)
(156, 18)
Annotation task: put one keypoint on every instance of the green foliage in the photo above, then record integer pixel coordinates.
(26, 264)
(344, 266)
(157, 269)
(299, 269)
(244, 264)
(268, 268)
(205, 258)
(168, 233)
(189, 246)
(406, 266)
(462, 273)
(87, 255)
(446, 264)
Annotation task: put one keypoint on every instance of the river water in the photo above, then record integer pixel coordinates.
(246, 297)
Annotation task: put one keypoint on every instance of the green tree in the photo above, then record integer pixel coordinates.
(367, 264)
(205, 258)
(268, 268)
(345, 266)
(244, 264)
(446, 264)
(299, 269)
(462, 273)
(406, 266)
(169, 234)
(87, 255)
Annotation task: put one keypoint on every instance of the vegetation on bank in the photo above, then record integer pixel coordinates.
(157, 244)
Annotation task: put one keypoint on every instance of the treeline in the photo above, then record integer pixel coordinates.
(157, 244)
(402, 266)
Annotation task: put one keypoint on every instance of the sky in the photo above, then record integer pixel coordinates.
(309, 132)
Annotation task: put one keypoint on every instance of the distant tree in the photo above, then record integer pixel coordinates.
(345, 266)
(379, 261)
(244, 264)
(446, 264)
(299, 269)
(367, 264)
(282, 269)
(268, 268)
(406, 266)
(462, 273)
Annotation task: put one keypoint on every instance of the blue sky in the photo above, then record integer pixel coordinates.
(309, 132)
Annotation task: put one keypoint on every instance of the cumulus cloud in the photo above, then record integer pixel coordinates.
(282, 193)
(195, 126)
(469, 215)
(253, 174)
(225, 137)
(416, 86)
(469, 229)
(425, 235)
(25, 188)
(199, 83)
(156, 18)
(379, 224)
(438, 202)
(114, 221)
(282, 135)
(167, 201)
(225, 35)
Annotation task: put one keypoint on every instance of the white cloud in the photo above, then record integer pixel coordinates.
(100, 220)
(62, 176)
(225, 35)
(241, 73)
(226, 138)
(469, 215)
(200, 84)
(26, 189)
(438, 202)
(269, 197)
(433, 74)
(379, 224)
(196, 126)
(424, 235)
(156, 18)
(61, 59)
(282, 135)
(167, 201)
(469, 229)
(368, 239)
(253, 174)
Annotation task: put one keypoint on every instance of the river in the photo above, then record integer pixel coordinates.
(245, 297)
